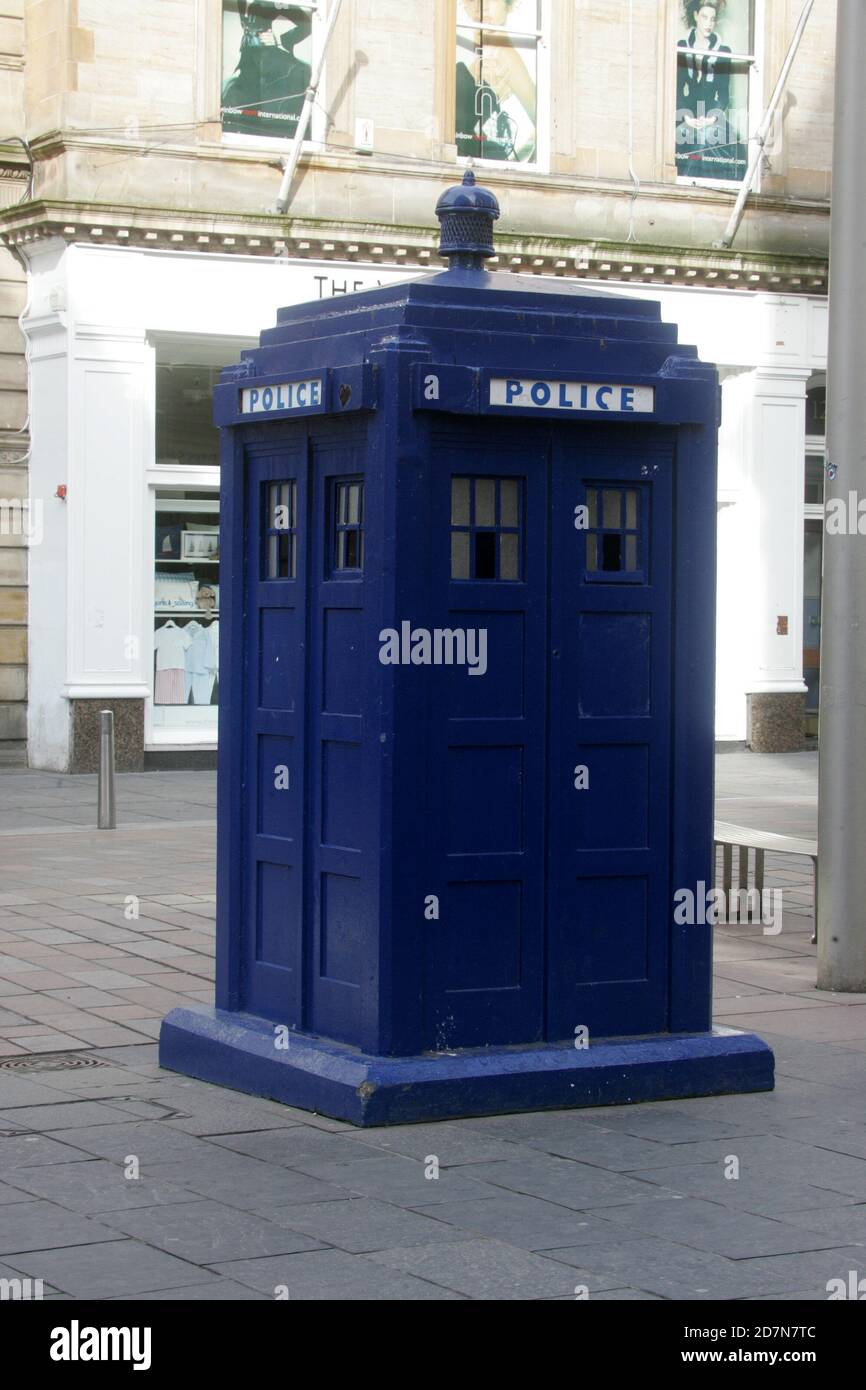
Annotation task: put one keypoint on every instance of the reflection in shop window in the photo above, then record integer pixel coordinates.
(267, 64)
(716, 68)
(498, 54)
(185, 431)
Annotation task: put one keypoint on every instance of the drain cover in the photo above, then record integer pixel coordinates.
(50, 1061)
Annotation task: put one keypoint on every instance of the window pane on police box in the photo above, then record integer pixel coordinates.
(459, 554)
(459, 501)
(508, 502)
(485, 502)
(612, 509)
(508, 551)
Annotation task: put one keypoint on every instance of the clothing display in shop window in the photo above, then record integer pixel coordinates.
(170, 643)
(201, 663)
(176, 591)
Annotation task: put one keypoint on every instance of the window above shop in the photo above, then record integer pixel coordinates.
(185, 431)
(267, 62)
(718, 94)
(501, 80)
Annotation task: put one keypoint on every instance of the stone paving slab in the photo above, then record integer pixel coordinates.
(237, 1198)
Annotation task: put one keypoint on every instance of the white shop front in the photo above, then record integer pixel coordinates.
(125, 347)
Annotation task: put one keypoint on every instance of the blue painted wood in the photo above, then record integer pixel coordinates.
(431, 881)
(315, 1074)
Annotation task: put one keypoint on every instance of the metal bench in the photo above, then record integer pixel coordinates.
(744, 839)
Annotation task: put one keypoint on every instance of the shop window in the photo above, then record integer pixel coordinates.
(816, 411)
(614, 539)
(185, 431)
(718, 88)
(347, 530)
(266, 67)
(280, 530)
(486, 528)
(500, 75)
(186, 605)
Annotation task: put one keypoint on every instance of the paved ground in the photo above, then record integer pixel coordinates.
(118, 1180)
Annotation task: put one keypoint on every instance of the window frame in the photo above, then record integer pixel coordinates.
(498, 529)
(541, 164)
(756, 105)
(641, 531)
(345, 574)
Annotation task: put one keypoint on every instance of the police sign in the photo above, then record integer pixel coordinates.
(524, 393)
(288, 395)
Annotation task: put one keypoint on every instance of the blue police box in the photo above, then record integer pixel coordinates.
(466, 706)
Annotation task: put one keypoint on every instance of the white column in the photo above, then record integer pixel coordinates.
(87, 391)
(773, 502)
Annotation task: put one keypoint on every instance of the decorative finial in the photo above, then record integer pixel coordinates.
(466, 213)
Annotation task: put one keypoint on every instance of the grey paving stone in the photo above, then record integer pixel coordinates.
(297, 1147)
(844, 1224)
(332, 1275)
(16, 1091)
(786, 1274)
(247, 1184)
(40, 1225)
(452, 1142)
(483, 1269)
(76, 1114)
(708, 1226)
(393, 1178)
(95, 1186)
(361, 1224)
(217, 1291)
(10, 1195)
(23, 1150)
(761, 1191)
(124, 1268)
(782, 1159)
(206, 1232)
(527, 1222)
(661, 1267)
(577, 1186)
(150, 1141)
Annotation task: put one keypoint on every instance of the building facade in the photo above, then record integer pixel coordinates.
(142, 251)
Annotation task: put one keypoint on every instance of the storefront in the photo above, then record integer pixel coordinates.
(125, 346)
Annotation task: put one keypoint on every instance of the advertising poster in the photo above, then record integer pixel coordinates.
(497, 79)
(714, 55)
(267, 58)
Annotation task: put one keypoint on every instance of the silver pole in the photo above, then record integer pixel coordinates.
(107, 814)
(842, 782)
(763, 131)
(291, 163)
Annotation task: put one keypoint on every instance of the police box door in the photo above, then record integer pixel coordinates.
(275, 603)
(608, 908)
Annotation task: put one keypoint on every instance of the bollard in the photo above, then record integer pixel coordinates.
(107, 813)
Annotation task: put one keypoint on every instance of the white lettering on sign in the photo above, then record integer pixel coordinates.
(525, 394)
(290, 395)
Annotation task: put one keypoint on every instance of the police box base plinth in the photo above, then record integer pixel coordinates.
(240, 1052)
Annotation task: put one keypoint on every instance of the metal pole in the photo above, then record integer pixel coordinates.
(763, 131)
(291, 163)
(842, 783)
(107, 814)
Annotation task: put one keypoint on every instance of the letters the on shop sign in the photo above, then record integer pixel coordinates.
(289, 395)
(524, 393)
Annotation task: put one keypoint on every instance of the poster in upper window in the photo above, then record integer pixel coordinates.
(267, 58)
(497, 79)
(715, 57)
